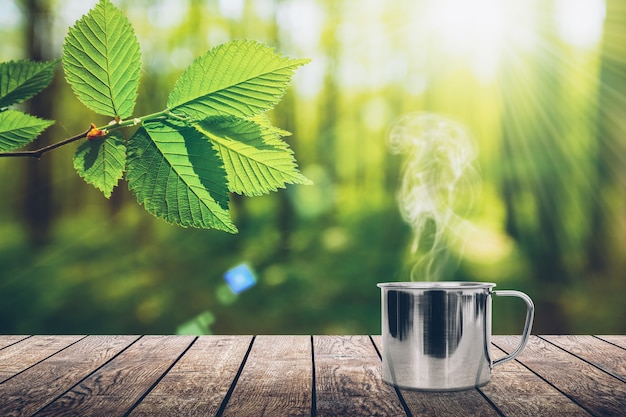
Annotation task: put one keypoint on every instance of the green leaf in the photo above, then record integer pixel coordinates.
(102, 61)
(101, 162)
(239, 78)
(178, 176)
(21, 80)
(256, 159)
(17, 129)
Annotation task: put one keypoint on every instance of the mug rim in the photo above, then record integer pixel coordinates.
(421, 285)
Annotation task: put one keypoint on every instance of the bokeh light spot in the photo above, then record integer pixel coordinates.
(240, 278)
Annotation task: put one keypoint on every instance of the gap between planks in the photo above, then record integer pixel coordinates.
(593, 389)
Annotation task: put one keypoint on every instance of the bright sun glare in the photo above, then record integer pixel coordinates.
(464, 26)
(480, 31)
(472, 30)
(580, 22)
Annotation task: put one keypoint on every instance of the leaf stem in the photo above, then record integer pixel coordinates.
(136, 121)
(37, 153)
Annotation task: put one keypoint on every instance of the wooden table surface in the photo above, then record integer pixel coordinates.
(293, 376)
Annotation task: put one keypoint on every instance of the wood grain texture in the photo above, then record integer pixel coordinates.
(615, 339)
(199, 381)
(516, 391)
(114, 388)
(20, 356)
(348, 379)
(10, 340)
(34, 388)
(599, 393)
(460, 403)
(610, 358)
(188, 376)
(276, 379)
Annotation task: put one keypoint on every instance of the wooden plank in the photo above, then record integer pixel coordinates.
(591, 388)
(114, 388)
(348, 379)
(198, 383)
(615, 339)
(459, 403)
(608, 357)
(18, 357)
(34, 388)
(276, 379)
(10, 340)
(516, 391)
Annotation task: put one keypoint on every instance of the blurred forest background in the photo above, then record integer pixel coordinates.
(539, 83)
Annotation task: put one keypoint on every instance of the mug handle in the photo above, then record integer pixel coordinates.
(530, 314)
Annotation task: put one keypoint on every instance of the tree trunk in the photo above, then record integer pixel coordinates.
(37, 204)
(535, 171)
(606, 215)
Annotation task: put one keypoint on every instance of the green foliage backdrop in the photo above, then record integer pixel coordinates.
(546, 110)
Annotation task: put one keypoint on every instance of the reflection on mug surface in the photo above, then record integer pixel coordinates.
(399, 313)
(443, 322)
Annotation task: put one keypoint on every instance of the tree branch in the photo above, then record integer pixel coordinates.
(37, 153)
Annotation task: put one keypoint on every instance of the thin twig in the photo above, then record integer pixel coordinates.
(118, 124)
(37, 153)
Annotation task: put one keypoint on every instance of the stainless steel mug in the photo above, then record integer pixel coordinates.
(437, 335)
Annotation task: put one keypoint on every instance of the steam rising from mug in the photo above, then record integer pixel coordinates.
(440, 182)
